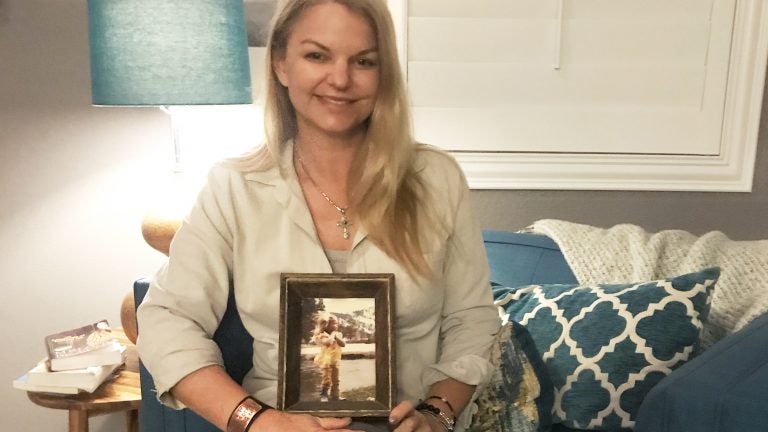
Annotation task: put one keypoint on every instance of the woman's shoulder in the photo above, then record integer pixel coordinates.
(223, 169)
(232, 171)
(435, 163)
(221, 176)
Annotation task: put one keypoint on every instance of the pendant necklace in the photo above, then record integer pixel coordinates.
(343, 222)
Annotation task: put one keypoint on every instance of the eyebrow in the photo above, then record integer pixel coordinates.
(325, 48)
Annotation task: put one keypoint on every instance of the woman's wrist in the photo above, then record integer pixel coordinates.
(267, 418)
(445, 420)
(442, 403)
(245, 414)
(434, 424)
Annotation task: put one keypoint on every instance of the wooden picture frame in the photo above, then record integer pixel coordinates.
(364, 373)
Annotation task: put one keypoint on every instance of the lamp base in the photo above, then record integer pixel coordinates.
(128, 317)
(158, 231)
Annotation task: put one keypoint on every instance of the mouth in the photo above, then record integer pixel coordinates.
(335, 100)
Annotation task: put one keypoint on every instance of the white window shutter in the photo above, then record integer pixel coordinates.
(589, 94)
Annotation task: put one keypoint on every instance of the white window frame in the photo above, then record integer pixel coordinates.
(731, 170)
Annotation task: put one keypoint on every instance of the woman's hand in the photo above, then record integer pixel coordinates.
(278, 421)
(405, 418)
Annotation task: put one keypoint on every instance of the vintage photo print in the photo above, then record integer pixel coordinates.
(338, 350)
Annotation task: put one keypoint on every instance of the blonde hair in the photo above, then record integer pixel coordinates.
(322, 319)
(385, 189)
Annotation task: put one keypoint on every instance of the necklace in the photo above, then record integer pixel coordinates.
(343, 222)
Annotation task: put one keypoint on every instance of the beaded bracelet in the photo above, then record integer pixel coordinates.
(245, 413)
(445, 401)
(447, 422)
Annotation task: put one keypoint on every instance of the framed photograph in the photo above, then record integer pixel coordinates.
(337, 354)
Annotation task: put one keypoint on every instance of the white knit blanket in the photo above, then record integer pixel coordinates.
(627, 253)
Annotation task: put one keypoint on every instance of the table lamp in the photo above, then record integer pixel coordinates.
(163, 54)
(170, 52)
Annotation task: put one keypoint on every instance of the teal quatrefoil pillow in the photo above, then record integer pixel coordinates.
(605, 346)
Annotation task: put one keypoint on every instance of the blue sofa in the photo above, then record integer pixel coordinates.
(724, 389)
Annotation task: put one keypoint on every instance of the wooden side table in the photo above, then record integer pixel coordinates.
(122, 393)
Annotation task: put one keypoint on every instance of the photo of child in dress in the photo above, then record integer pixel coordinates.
(330, 340)
(338, 350)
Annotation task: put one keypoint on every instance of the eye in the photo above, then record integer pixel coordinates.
(366, 62)
(315, 56)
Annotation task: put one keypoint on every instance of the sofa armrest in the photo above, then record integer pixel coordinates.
(723, 389)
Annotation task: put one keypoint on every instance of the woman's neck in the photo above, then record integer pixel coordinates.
(327, 159)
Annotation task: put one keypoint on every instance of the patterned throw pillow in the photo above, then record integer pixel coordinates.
(520, 394)
(605, 346)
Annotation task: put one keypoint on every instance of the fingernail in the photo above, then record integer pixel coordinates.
(392, 420)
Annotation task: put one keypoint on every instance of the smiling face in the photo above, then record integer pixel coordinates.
(330, 68)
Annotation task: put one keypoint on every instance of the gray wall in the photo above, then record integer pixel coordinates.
(74, 182)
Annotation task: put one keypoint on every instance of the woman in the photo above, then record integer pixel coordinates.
(339, 186)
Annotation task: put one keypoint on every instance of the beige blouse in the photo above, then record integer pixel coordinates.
(247, 228)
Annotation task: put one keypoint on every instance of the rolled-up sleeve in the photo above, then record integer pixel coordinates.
(469, 318)
(188, 295)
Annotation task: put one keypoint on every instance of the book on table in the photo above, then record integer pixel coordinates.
(86, 379)
(78, 360)
(113, 353)
(79, 341)
(22, 383)
(90, 345)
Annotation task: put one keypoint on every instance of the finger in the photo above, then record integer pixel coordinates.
(401, 411)
(334, 422)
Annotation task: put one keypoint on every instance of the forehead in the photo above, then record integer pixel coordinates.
(333, 24)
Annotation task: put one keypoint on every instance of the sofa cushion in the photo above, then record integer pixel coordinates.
(520, 395)
(723, 389)
(605, 346)
(525, 258)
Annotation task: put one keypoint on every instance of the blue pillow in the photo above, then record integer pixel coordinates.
(605, 346)
(520, 394)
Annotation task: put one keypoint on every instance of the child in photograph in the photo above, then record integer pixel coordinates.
(330, 341)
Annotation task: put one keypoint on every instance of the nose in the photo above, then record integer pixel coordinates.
(339, 75)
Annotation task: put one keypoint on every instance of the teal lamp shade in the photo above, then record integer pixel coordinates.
(168, 52)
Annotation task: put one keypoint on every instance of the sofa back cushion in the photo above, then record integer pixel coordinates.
(524, 258)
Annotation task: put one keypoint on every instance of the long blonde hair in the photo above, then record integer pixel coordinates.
(322, 319)
(385, 190)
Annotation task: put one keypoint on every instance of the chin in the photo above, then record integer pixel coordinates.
(342, 130)
(337, 126)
